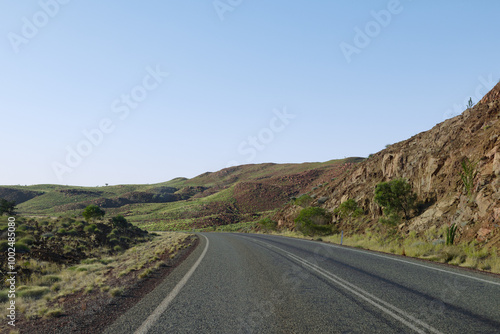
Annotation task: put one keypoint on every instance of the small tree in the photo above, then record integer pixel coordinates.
(92, 212)
(7, 207)
(395, 196)
(348, 210)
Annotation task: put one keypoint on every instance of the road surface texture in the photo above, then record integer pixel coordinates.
(245, 283)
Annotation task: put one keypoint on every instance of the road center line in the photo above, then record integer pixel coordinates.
(153, 318)
(367, 252)
(416, 264)
(373, 300)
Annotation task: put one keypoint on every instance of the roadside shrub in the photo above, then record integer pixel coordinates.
(395, 197)
(312, 221)
(348, 210)
(268, 224)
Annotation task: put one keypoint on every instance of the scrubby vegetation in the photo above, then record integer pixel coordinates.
(93, 212)
(58, 264)
(303, 200)
(267, 224)
(314, 221)
(348, 211)
(66, 241)
(468, 175)
(7, 207)
(395, 197)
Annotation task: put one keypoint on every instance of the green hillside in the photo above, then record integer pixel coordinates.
(230, 196)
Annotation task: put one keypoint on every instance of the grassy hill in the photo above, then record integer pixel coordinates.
(234, 195)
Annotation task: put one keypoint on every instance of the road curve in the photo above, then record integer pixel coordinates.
(247, 283)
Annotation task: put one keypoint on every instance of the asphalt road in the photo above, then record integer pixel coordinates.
(244, 283)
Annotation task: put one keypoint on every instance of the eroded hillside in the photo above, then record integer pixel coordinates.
(431, 162)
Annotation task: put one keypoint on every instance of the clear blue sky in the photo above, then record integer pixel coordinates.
(72, 66)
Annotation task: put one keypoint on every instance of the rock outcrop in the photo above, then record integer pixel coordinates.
(431, 162)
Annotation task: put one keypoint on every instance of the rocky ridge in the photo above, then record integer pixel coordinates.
(431, 162)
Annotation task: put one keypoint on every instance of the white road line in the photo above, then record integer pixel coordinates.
(153, 318)
(399, 260)
(415, 264)
(373, 300)
(368, 297)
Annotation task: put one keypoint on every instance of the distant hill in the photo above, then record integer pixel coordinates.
(232, 195)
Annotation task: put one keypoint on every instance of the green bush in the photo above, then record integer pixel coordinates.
(73, 231)
(313, 220)
(7, 207)
(348, 210)
(92, 212)
(90, 228)
(267, 224)
(29, 240)
(119, 221)
(395, 197)
(303, 200)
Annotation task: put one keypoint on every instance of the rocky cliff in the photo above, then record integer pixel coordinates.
(431, 162)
